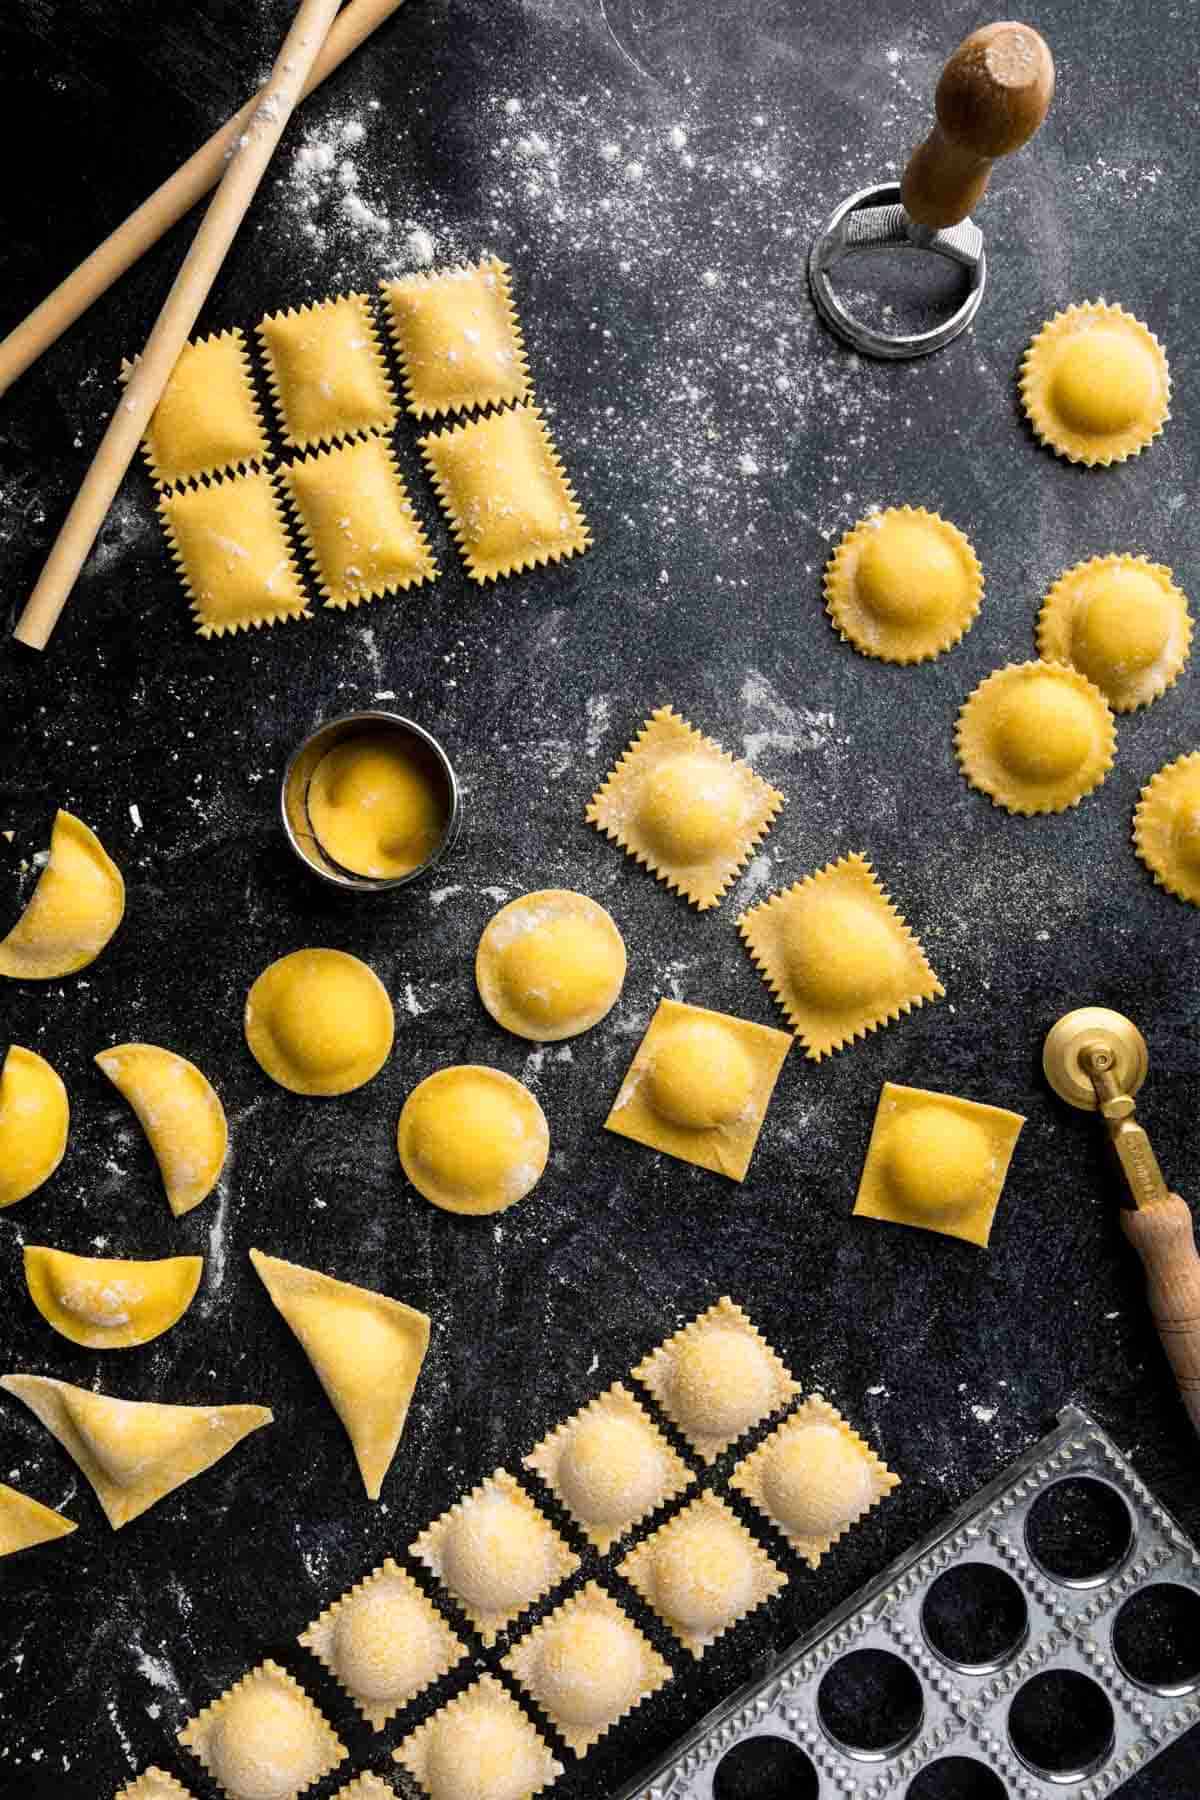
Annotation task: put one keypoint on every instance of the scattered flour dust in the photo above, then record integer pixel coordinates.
(775, 724)
(340, 188)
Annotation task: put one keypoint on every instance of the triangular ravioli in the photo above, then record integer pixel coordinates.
(133, 1451)
(367, 1350)
(25, 1522)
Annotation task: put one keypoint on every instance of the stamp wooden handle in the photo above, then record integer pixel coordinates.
(991, 97)
(1163, 1237)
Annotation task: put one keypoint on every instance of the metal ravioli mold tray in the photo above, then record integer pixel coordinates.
(1097, 1592)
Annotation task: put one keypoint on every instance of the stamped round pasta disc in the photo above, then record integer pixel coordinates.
(903, 585)
(1122, 622)
(1166, 827)
(1095, 384)
(1035, 737)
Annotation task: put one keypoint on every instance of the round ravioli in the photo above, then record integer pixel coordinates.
(34, 1117)
(179, 1111)
(550, 965)
(319, 1022)
(1095, 384)
(700, 1075)
(73, 911)
(1122, 622)
(472, 1140)
(106, 1304)
(903, 585)
(378, 805)
(1166, 827)
(816, 1481)
(1036, 737)
(937, 1163)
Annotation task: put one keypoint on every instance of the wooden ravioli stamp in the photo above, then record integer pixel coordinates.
(1166, 827)
(684, 808)
(458, 339)
(903, 585)
(208, 420)
(587, 1666)
(326, 371)
(154, 1784)
(717, 1378)
(495, 1554)
(813, 1478)
(937, 1162)
(1122, 622)
(699, 1087)
(481, 1743)
(1035, 737)
(702, 1572)
(357, 522)
(230, 544)
(383, 1642)
(1095, 384)
(837, 956)
(610, 1466)
(264, 1728)
(504, 491)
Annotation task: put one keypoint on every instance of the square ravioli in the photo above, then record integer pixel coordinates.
(685, 808)
(482, 1737)
(358, 525)
(208, 419)
(154, 1784)
(586, 1666)
(230, 544)
(813, 1478)
(265, 1719)
(326, 370)
(699, 1087)
(937, 1162)
(495, 1554)
(366, 1787)
(383, 1643)
(610, 1466)
(702, 1572)
(837, 955)
(457, 337)
(503, 489)
(717, 1379)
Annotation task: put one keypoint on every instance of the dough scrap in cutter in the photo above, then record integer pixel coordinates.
(1095, 384)
(550, 965)
(1035, 737)
(937, 1162)
(1122, 622)
(326, 371)
(702, 1572)
(73, 911)
(229, 541)
(35, 1116)
(25, 1522)
(319, 1022)
(472, 1139)
(208, 420)
(181, 1114)
(105, 1303)
(357, 522)
(383, 1642)
(263, 1738)
(717, 1378)
(378, 804)
(813, 1478)
(479, 1746)
(1166, 827)
(458, 339)
(684, 808)
(609, 1466)
(903, 585)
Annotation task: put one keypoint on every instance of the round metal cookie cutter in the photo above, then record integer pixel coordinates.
(302, 766)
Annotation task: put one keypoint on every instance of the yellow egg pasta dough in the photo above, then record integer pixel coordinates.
(153, 1784)
(25, 1523)
(73, 911)
(263, 1738)
(586, 1667)
(357, 522)
(686, 809)
(717, 1378)
(479, 1746)
(472, 1139)
(229, 541)
(208, 420)
(903, 585)
(495, 1554)
(838, 956)
(550, 965)
(378, 804)
(366, 1349)
(1035, 737)
(35, 1116)
(505, 493)
(383, 1642)
(319, 1022)
(1095, 384)
(937, 1162)
(609, 1466)
(1122, 622)
(1166, 827)
(702, 1572)
(699, 1087)
(181, 1114)
(105, 1303)
(457, 337)
(813, 1478)
(326, 371)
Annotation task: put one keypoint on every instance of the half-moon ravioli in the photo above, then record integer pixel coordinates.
(550, 965)
(813, 1478)
(133, 1452)
(479, 1747)
(903, 585)
(107, 1304)
(1035, 737)
(1122, 622)
(181, 1114)
(1095, 384)
(1166, 827)
(263, 1739)
(73, 911)
(25, 1522)
(34, 1118)
(472, 1139)
(702, 1572)
(937, 1162)
(319, 1022)
(383, 1643)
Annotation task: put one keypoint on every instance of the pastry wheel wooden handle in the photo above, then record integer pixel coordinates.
(1163, 1237)
(991, 97)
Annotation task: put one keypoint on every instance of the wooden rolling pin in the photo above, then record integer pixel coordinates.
(991, 97)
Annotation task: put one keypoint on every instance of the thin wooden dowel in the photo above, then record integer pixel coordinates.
(143, 391)
(168, 204)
